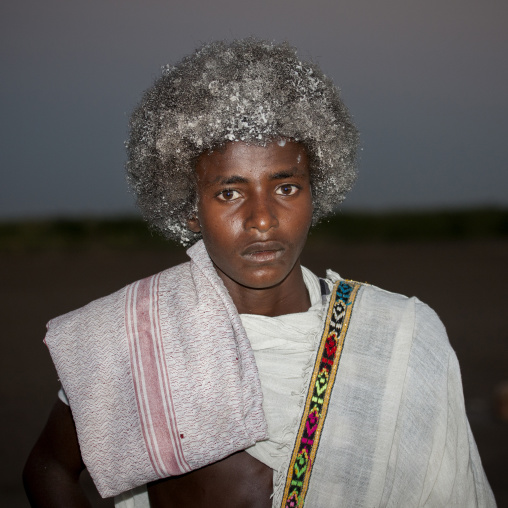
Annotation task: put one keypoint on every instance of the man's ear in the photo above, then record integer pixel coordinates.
(194, 225)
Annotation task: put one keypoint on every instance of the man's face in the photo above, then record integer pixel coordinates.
(254, 211)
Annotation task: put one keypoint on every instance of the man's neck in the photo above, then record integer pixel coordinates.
(287, 297)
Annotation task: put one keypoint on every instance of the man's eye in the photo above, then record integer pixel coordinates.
(228, 195)
(287, 190)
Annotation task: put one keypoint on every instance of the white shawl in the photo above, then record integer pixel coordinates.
(396, 432)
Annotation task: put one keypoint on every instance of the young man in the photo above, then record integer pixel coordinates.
(240, 378)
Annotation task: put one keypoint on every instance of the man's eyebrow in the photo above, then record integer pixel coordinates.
(230, 180)
(234, 179)
(281, 175)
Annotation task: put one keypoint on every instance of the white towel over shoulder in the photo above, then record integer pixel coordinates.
(125, 359)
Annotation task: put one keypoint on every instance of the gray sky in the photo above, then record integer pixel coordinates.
(425, 81)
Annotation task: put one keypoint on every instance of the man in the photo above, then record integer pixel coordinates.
(240, 378)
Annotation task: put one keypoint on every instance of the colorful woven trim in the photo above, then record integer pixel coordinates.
(318, 397)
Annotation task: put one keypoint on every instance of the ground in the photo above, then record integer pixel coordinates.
(464, 281)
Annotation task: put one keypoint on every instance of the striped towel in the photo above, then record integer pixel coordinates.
(160, 377)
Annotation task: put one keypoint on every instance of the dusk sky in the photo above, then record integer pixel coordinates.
(426, 82)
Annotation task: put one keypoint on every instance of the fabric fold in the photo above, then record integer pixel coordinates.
(284, 347)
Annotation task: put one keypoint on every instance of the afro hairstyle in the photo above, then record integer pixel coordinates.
(247, 90)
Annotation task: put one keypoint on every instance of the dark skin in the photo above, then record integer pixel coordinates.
(51, 474)
(254, 212)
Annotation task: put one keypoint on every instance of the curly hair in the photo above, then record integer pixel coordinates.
(248, 90)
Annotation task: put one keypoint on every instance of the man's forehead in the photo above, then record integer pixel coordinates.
(241, 162)
(244, 151)
(261, 143)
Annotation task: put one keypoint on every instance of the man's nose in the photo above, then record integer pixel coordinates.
(261, 214)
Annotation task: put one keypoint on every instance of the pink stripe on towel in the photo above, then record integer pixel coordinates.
(151, 380)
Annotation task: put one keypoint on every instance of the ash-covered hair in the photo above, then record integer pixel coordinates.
(247, 90)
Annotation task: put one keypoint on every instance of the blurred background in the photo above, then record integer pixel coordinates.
(426, 83)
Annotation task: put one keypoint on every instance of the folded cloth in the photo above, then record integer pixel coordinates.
(160, 377)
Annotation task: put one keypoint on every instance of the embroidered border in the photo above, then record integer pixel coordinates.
(320, 388)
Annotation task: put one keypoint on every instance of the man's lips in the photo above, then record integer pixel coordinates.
(263, 249)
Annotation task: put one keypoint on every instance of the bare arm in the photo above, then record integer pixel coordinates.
(51, 473)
